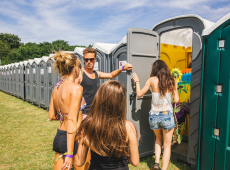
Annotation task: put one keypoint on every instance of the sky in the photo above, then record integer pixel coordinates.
(84, 22)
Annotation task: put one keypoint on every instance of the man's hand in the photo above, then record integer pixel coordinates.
(128, 66)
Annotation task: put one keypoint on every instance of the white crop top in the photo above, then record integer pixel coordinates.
(161, 103)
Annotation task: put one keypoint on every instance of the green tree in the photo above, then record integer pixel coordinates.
(8, 42)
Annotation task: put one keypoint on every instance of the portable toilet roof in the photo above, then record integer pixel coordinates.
(79, 50)
(21, 63)
(209, 30)
(179, 37)
(25, 62)
(51, 56)
(45, 58)
(123, 41)
(104, 47)
(9, 65)
(37, 60)
(30, 61)
(206, 23)
(16, 64)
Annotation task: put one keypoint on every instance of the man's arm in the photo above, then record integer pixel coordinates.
(102, 75)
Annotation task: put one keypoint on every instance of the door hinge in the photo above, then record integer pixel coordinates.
(216, 132)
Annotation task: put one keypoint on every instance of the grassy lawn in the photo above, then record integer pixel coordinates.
(26, 138)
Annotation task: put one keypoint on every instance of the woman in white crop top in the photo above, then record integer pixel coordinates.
(163, 86)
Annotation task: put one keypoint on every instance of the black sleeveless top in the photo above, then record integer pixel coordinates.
(100, 163)
(90, 87)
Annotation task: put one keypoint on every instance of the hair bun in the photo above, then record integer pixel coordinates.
(65, 62)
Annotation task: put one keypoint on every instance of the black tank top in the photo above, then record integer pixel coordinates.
(90, 87)
(100, 162)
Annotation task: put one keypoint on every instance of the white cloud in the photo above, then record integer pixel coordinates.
(84, 22)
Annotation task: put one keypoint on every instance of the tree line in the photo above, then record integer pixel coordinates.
(13, 50)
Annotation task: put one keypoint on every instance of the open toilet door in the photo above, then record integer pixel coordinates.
(142, 52)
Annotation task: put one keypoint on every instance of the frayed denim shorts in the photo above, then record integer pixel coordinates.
(158, 120)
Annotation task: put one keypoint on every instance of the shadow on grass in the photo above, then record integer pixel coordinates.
(173, 165)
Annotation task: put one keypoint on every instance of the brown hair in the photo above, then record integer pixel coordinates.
(65, 62)
(162, 72)
(90, 50)
(104, 129)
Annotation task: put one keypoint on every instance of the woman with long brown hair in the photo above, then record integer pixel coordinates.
(161, 119)
(64, 107)
(111, 138)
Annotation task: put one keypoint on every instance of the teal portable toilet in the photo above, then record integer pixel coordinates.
(214, 124)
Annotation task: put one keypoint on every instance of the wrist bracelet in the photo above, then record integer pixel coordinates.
(69, 156)
(137, 82)
(123, 69)
(66, 154)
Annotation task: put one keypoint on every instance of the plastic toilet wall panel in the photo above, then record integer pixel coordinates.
(142, 51)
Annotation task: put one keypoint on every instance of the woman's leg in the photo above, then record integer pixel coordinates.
(58, 164)
(167, 134)
(158, 144)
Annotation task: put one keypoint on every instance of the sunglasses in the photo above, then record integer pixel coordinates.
(87, 59)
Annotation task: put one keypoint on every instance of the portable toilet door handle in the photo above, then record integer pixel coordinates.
(132, 97)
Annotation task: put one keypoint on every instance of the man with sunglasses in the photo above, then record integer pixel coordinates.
(90, 81)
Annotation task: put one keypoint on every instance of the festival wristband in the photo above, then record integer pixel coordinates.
(69, 156)
(137, 82)
(63, 155)
(123, 68)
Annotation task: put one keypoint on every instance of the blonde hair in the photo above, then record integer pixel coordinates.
(65, 63)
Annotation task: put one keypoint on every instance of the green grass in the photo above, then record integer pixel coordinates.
(26, 138)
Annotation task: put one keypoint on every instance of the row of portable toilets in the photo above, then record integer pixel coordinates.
(188, 42)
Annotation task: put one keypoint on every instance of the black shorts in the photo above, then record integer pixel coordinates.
(60, 143)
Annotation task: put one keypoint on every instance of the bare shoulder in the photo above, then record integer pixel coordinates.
(130, 127)
(75, 89)
(154, 80)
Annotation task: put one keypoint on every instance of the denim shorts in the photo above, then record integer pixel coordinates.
(158, 120)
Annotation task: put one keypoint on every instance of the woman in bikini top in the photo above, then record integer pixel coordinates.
(64, 107)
